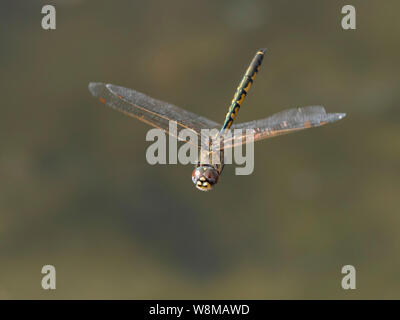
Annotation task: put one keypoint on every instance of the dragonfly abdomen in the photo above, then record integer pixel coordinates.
(243, 88)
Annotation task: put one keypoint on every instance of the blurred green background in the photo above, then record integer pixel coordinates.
(77, 192)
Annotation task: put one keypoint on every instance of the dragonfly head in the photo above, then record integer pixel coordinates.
(204, 177)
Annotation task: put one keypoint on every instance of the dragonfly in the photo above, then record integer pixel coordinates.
(159, 114)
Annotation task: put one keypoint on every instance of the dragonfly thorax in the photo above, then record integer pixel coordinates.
(205, 177)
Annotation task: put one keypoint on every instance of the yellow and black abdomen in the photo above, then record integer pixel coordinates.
(243, 88)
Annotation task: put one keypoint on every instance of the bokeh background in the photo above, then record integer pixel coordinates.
(76, 190)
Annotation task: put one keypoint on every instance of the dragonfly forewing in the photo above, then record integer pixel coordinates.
(154, 112)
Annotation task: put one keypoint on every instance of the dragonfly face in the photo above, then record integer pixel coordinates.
(205, 177)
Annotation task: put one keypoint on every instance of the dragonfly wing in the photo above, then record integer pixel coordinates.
(151, 111)
(287, 121)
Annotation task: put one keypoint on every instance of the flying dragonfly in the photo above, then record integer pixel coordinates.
(159, 114)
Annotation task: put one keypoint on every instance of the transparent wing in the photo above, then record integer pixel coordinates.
(281, 123)
(151, 111)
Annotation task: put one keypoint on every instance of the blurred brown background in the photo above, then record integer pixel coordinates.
(77, 192)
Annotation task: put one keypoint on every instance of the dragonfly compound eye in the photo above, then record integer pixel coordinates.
(205, 177)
